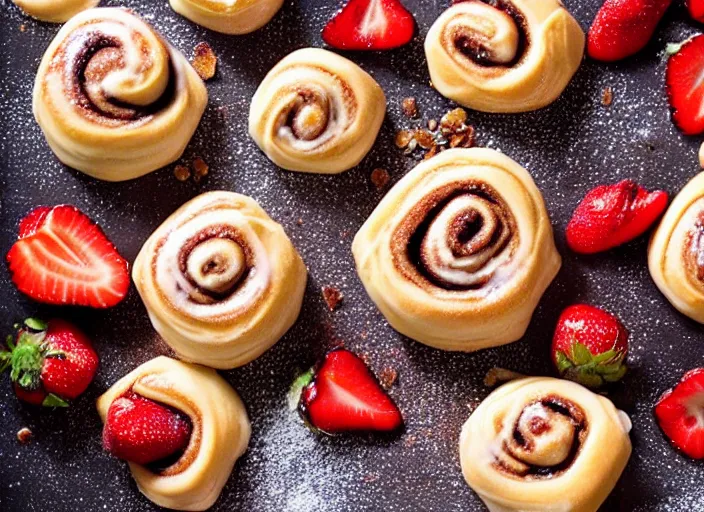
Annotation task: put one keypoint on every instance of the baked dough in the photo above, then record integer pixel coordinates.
(54, 11)
(514, 56)
(127, 110)
(221, 280)
(676, 251)
(228, 16)
(459, 252)
(544, 445)
(316, 112)
(220, 433)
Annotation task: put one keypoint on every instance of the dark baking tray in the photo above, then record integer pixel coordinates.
(568, 147)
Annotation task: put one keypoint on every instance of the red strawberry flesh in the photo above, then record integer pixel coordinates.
(696, 9)
(611, 215)
(684, 79)
(143, 431)
(344, 396)
(63, 258)
(680, 414)
(622, 28)
(370, 25)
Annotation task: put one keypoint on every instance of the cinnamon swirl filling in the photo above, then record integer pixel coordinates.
(544, 441)
(693, 253)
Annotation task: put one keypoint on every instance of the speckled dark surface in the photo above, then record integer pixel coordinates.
(569, 147)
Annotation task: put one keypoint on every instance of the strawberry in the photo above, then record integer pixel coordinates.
(143, 431)
(685, 89)
(342, 395)
(696, 9)
(49, 363)
(590, 346)
(370, 25)
(61, 257)
(680, 414)
(623, 27)
(611, 215)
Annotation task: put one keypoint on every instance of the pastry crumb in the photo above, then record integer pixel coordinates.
(410, 107)
(388, 377)
(23, 27)
(607, 96)
(380, 178)
(182, 173)
(204, 61)
(333, 297)
(24, 435)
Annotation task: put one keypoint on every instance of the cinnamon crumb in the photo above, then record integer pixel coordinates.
(24, 435)
(204, 61)
(182, 172)
(200, 169)
(380, 178)
(388, 377)
(333, 297)
(607, 96)
(410, 107)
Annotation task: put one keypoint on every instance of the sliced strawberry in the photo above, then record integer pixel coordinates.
(680, 414)
(623, 27)
(62, 257)
(370, 25)
(611, 215)
(696, 9)
(344, 396)
(143, 431)
(684, 80)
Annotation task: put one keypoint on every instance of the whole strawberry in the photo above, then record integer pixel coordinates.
(50, 363)
(623, 27)
(143, 431)
(611, 215)
(590, 346)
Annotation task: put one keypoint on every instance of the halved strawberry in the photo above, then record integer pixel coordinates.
(685, 85)
(696, 9)
(342, 395)
(143, 431)
(611, 215)
(370, 25)
(61, 257)
(680, 414)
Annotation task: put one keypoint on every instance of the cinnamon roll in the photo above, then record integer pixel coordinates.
(54, 11)
(228, 16)
(220, 431)
(220, 280)
(540, 444)
(504, 55)
(316, 112)
(114, 99)
(676, 251)
(459, 252)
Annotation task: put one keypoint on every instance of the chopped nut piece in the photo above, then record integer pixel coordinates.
(432, 152)
(380, 178)
(410, 107)
(454, 119)
(388, 377)
(425, 139)
(200, 167)
(182, 172)
(403, 138)
(332, 296)
(299, 222)
(204, 61)
(432, 125)
(24, 435)
(411, 146)
(607, 96)
(456, 140)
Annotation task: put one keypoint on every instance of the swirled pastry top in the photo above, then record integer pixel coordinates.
(459, 252)
(543, 444)
(220, 279)
(676, 251)
(316, 112)
(505, 56)
(219, 437)
(55, 11)
(228, 16)
(113, 99)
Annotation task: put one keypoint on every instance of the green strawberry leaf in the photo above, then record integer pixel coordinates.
(35, 324)
(608, 369)
(10, 342)
(606, 356)
(27, 361)
(563, 362)
(294, 393)
(53, 400)
(580, 354)
(616, 376)
(586, 377)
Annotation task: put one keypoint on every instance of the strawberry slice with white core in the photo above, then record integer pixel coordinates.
(685, 85)
(62, 257)
(370, 25)
(680, 414)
